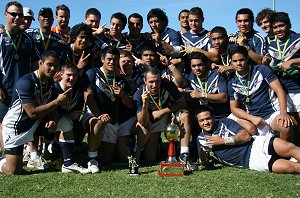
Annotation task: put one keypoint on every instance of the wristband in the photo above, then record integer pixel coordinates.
(229, 141)
(171, 67)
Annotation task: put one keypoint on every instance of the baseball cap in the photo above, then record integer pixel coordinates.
(44, 11)
(28, 12)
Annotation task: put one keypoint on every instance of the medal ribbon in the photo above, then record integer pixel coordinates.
(106, 79)
(203, 90)
(43, 39)
(282, 53)
(158, 105)
(12, 41)
(41, 87)
(248, 84)
(227, 59)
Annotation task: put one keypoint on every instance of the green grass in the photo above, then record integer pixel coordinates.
(218, 182)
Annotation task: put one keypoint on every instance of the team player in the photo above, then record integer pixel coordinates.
(230, 144)
(155, 101)
(32, 100)
(247, 36)
(253, 86)
(28, 18)
(105, 94)
(285, 54)
(263, 21)
(167, 40)
(197, 40)
(44, 38)
(69, 115)
(63, 17)
(183, 17)
(18, 54)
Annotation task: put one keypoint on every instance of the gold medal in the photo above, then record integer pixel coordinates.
(16, 56)
(113, 98)
(247, 99)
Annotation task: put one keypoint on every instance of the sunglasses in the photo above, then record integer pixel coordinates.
(15, 14)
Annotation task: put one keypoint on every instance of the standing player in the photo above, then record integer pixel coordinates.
(230, 144)
(63, 17)
(247, 36)
(167, 40)
(253, 86)
(183, 18)
(263, 21)
(196, 40)
(32, 100)
(28, 18)
(18, 54)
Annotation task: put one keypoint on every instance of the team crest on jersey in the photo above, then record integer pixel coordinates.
(38, 37)
(7, 41)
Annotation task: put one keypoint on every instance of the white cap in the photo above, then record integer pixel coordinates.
(28, 12)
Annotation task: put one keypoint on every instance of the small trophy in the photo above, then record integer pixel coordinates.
(171, 167)
(133, 166)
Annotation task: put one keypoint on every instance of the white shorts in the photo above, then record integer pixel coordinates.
(64, 124)
(110, 133)
(10, 137)
(259, 155)
(293, 102)
(125, 127)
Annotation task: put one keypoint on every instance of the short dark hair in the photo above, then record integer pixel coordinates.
(245, 11)
(93, 11)
(219, 29)
(152, 70)
(148, 47)
(110, 50)
(196, 11)
(264, 13)
(204, 108)
(160, 14)
(239, 50)
(81, 27)
(282, 17)
(182, 11)
(69, 65)
(199, 55)
(49, 53)
(136, 15)
(62, 7)
(13, 3)
(122, 17)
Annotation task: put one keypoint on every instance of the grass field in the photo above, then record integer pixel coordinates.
(218, 182)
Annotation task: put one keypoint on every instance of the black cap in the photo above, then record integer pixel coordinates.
(44, 11)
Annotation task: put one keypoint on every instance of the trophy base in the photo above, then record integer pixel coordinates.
(171, 169)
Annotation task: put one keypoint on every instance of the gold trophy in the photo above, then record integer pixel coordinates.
(133, 166)
(171, 167)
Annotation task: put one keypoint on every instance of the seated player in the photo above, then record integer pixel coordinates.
(32, 100)
(227, 142)
(254, 86)
(155, 101)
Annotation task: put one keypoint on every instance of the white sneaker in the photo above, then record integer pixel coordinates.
(26, 157)
(38, 163)
(74, 168)
(93, 166)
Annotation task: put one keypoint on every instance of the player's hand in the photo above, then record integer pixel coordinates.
(105, 118)
(138, 62)
(175, 61)
(100, 30)
(257, 121)
(284, 120)
(158, 114)
(145, 96)
(241, 40)
(163, 59)
(157, 38)
(214, 140)
(285, 65)
(64, 97)
(266, 59)
(232, 39)
(2, 95)
(83, 61)
(128, 46)
(187, 49)
(51, 126)
(195, 93)
(118, 91)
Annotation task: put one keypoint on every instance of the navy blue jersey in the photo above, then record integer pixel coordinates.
(167, 96)
(235, 155)
(261, 96)
(105, 40)
(200, 40)
(103, 95)
(138, 44)
(76, 101)
(56, 42)
(254, 40)
(28, 89)
(171, 37)
(15, 64)
(292, 50)
(138, 76)
(215, 84)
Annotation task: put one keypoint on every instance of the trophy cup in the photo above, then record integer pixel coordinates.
(133, 166)
(171, 167)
